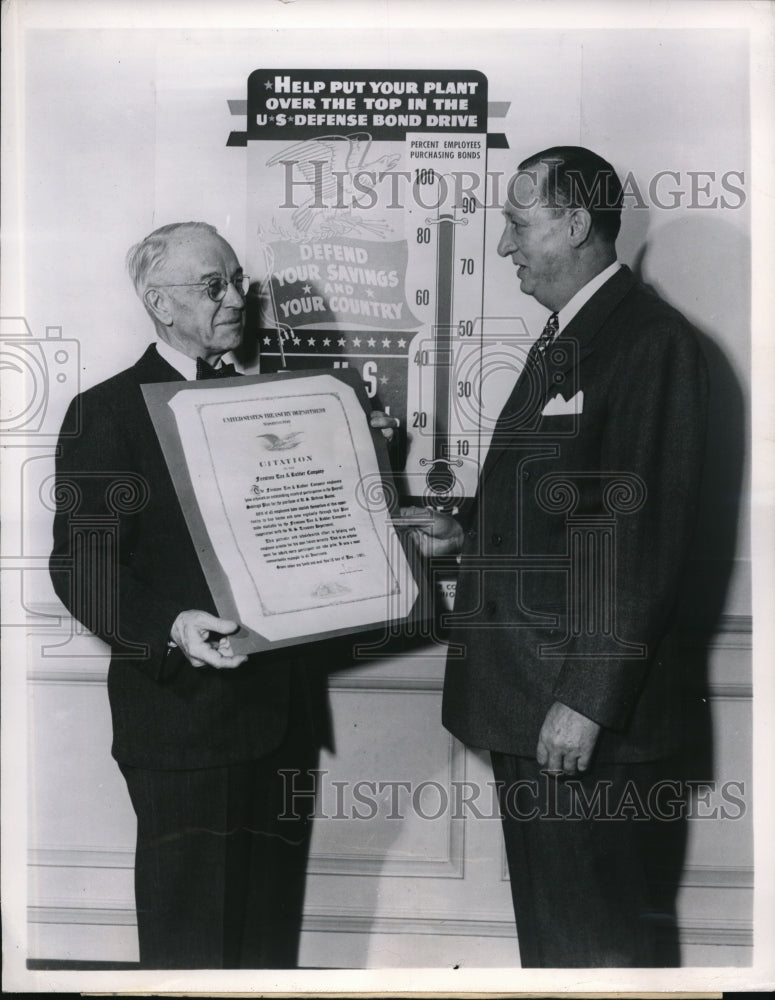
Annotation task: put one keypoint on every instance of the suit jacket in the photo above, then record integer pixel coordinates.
(124, 565)
(573, 559)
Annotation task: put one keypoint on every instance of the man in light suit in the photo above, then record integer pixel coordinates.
(561, 659)
(201, 735)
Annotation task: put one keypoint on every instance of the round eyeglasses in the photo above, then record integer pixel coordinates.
(216, 287)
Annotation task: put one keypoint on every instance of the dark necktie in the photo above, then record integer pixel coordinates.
(205, 370)
(548, 334)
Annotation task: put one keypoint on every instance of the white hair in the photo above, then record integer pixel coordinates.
(148, 256)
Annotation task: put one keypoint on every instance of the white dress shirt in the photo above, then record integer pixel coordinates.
(183, 364)
(584, 294)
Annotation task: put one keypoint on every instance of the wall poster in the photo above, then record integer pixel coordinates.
(365, 222)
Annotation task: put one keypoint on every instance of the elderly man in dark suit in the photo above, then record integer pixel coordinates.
(561, 659)
(201, 735)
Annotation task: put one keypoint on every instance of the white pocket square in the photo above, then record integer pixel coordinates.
(562, 407)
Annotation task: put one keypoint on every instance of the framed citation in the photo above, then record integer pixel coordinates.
(288, 496)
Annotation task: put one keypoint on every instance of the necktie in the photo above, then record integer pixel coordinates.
(205, 370)
(548, 334)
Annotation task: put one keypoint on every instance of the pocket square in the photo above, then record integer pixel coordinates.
(559, 406)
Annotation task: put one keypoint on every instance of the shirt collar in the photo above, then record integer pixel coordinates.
(185, 365)
(584, 294)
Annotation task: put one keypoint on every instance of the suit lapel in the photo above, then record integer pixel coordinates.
(575, 343)
(582, 330)
(152, 367)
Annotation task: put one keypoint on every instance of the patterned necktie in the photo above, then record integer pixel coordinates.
(548, 334)
(205, 370)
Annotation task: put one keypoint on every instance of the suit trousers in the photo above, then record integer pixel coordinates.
(583, 858)
(221, 861)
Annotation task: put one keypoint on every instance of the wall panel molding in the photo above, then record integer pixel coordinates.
(81, 857)
(97, 675)
(729, 632)
(707, 877)
(450, 866)
(380, 683)
(63, 912)
(719, 933)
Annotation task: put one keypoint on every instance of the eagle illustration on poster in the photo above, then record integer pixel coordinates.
(366, 225)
